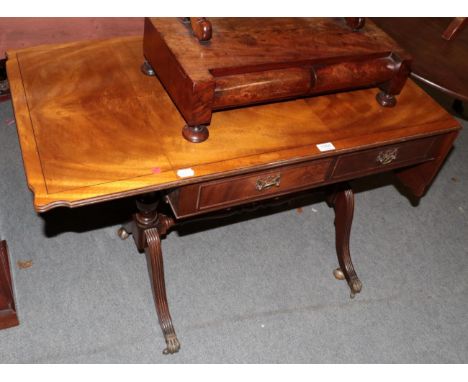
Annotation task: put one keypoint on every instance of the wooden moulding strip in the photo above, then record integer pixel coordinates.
(27, 140)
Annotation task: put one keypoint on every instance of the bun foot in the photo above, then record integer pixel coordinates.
(195, 134)
(147, 69)
(122, 233)
(385, 99)
(173, 344)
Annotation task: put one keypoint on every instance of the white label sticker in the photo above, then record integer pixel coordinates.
(184, 172)
(325, 146)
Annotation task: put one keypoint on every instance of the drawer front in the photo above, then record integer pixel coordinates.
(263, 184)
(236, 190)
(383, 158)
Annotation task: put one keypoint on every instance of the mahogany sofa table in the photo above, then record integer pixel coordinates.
(93, 128)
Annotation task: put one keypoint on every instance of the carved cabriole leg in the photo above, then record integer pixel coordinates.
(342, 200)
(147, 228)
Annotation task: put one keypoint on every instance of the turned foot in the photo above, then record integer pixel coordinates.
(147, 69)
(342, 200)
(385, 99)
(355, 23)
(195, 134)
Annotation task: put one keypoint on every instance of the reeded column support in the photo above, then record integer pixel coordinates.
(342, 200)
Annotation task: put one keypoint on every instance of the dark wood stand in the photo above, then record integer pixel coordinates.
(148, 226)
(208, 65)
(8, 317)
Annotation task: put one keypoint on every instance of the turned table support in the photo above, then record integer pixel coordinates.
(147, 228)
(149, 225)
(342, 200)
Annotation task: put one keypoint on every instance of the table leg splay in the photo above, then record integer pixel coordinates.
(149, 225)
(342, 200)
(147, 228)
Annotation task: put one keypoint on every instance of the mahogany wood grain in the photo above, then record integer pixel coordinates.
(455, 27)
(23, 32)
(231, 191)
(417, 179)
(436, 61)
(98, 129)
(8, 316)
(250, 60)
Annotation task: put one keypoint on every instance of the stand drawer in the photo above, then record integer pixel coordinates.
(383, 158)
(231, 191)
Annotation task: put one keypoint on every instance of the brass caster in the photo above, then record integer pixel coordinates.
(338, 273)
(122, 233)
(173, 345)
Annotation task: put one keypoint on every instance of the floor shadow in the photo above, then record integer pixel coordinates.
(372, 182)
(100, 215)
(88, 218)
(251, 211)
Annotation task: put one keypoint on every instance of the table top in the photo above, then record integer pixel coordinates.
(437, 62)
(92, 127)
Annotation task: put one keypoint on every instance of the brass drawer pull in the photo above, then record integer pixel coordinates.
(387, 156)
(268, 182)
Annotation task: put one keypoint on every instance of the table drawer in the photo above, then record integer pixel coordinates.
(385, 157)
(192, 199)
